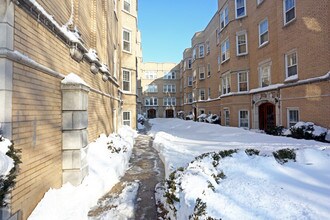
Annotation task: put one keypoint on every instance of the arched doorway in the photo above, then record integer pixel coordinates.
(169, 113)
(267, 116)
(151, 113)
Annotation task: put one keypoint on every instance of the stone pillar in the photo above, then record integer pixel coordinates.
(74, 132)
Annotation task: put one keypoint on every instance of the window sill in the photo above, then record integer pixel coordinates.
(225, 61)
(241, 17)
(292, 78)
(128, 52)
(289, 23)
(242, 54)
(201, 79)
(263, 45)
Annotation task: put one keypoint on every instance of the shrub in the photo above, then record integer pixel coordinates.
(284, 155)
(275, 130)
(251, 152)
(308, 131)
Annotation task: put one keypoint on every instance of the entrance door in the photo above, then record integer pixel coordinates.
(169, 113)
(151, 113)
(267, 117)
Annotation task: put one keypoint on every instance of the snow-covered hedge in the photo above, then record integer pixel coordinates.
(9, 160)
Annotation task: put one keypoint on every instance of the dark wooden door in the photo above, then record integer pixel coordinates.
(169, 113)
(151, 113)
(267, 116)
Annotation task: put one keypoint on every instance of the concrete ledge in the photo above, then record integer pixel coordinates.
(74, 120)
(74, 140)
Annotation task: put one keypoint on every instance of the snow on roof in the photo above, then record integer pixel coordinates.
(73, 79)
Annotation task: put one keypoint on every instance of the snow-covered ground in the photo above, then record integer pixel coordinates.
(240, 186)
(105, 169)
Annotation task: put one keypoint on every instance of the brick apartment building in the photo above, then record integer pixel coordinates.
(261, 63)
(159, 90)
(41, 42)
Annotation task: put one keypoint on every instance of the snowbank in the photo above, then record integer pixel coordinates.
(239, 186)
(106, 166)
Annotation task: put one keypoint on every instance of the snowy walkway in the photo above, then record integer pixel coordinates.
(136, 190)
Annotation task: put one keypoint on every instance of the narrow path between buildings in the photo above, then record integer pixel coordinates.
(147, 170)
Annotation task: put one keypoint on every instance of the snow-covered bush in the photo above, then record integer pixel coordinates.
(202, 117)
(276, 131)
(284, 155)
(9, 160)
(189, 117)
(213, 119)
(308, 131)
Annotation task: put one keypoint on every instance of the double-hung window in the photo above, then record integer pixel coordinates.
(291, 66)
(242, 81)
(202, 72)
(152, 88)
(244, 119)
(169, 75)
(226, 84)
(189, 63)
(289, 10)
(190, 80)
(127, 40)
(126, 80)
(263, 32)
(293, 116)
(241, 43)
(190, 98)
(240, 8)
(201, 51)
(169, 88)
(127, 118)
(208, 48)
(202, 94)
(194, 53)
(169, 101)
(127, 5)
(224, 19)
(151, 101)
(265, 74)
(225, 51)
(208, 69)
(227, 117)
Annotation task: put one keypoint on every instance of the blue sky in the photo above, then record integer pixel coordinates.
(167, 26)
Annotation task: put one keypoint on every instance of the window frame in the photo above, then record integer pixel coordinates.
(227, 51)
(208, 70)
(285, 11)
(240, 119)
(226, 83)
(287, 64)
(201, 51)
(208, 48)
(129, 81)
(127, 41)
(227, 118)
(125, 120)
(237, 43)
(239, 83)
(224, 17)
(190, 82)
(168, 101)
(130, 4)
(288, 115)
(266, 32)
(153, 101)
(154, 88)
(265, 64)
(245, 11)
(189, 63)
(201, 70)
(200, 95)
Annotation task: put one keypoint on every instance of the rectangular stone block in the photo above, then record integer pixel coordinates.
(6, 74)
(74, 100)
(73, 140)
(74, 159)
(6, 36)
(74, 120)
(75, 177)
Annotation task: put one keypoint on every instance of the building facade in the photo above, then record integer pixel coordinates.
(50, 119)
(160, 90)
(260, 64)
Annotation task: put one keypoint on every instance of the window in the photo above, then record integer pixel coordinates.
(264, 74)
(202, 94)
(240, 8)
(127, 5)
(243, 119)
(201, 51)
(291, 66)
(152, 88)
(263, 32)
(242, 81)
(225, 51)
(126, 40)
(208, 69)
(126, 80)
(201, 72)
(190, 80)
(208, 49)
(209, 93)
(169, 75)
(151, 101)
(169, 101)
(224, 19)
(189, 63)
(194, 54)
(127, 118)
(150, 75)
(194, 75)
(227, 117)
(190, 98)
(226, 84)
(169, 88)
(289, 10)
(241, 44)
(293, 116)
